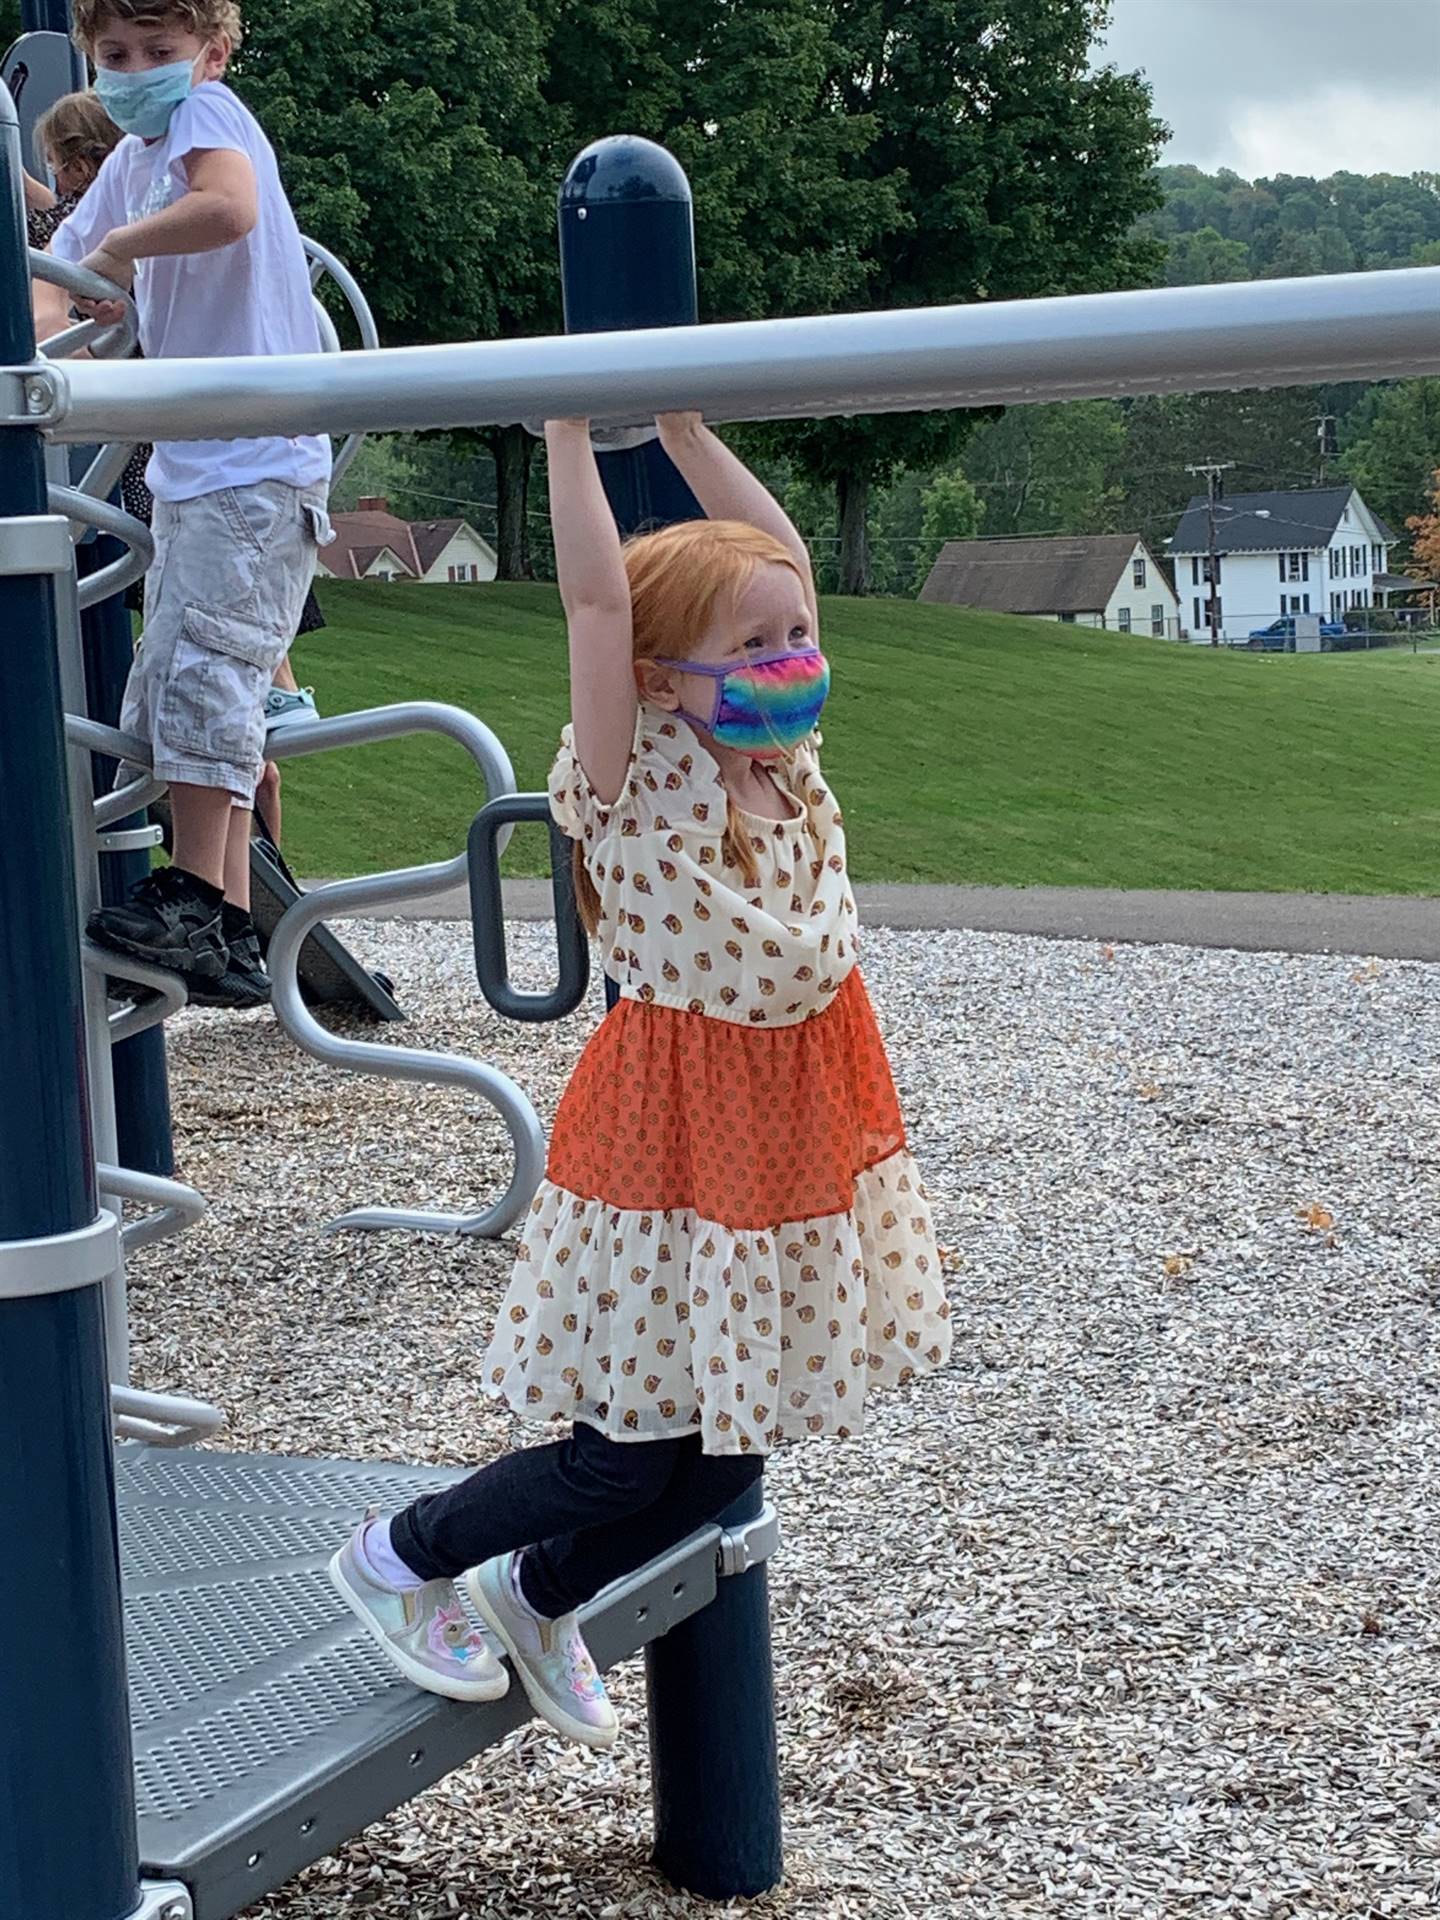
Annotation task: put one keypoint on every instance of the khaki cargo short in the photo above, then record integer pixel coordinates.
(223, 598)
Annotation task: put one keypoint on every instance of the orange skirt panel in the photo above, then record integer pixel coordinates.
(748, 1127)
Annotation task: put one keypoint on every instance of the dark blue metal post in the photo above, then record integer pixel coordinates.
(627, 259)
(67, 1823)
(714, 1760)
(137, 1066)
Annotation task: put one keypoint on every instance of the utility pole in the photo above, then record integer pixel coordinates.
(1212, 470)
(1328, 446)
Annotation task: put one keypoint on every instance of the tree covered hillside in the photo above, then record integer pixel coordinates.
(1216, 226)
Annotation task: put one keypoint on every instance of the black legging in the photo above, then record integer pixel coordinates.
(589, 1510)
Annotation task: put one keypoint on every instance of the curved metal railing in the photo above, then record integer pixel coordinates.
(85, 510)
(326, 265)
(345, 898)
(113, 342)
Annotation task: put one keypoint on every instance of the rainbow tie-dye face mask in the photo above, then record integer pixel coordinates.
(766, 706)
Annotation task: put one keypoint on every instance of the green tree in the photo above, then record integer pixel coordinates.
(421, 148)
(1020, 172)
(1295, 224)
(952, 511)
(741, 95)
(1271, 437)
(1051, 469)
(1205, 257)
(1391, 448)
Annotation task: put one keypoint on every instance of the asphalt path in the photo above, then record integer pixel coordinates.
(1400, 927)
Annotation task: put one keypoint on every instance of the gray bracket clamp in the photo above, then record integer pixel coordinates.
(60, 1261)
(743, 1547)
(35, 543)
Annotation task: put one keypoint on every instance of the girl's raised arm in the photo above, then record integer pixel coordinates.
(726, 488)
(596, 597)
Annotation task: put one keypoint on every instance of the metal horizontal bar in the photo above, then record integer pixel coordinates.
(1265, 333)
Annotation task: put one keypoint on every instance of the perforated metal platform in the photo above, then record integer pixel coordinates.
(267, 1727)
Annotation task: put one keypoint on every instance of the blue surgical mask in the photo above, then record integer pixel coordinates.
(142, 103)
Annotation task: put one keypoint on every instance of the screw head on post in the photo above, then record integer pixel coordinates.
(38, 395)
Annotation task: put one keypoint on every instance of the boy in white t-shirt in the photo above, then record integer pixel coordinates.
(190, 212)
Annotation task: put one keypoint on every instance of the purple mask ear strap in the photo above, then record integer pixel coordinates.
(716, 675)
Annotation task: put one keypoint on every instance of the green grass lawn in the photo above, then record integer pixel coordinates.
(965, 747)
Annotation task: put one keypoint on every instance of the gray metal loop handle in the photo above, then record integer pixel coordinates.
(325, 264)
(88, 511)
(487, 914)
(163, 992)
(125, 747)
(175, 1206)
(104, 343)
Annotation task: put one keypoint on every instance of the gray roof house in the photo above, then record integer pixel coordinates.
(1316, 553)
(1095, 580)
(1300, 518)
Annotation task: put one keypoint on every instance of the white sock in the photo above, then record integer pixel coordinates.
(382, 1562)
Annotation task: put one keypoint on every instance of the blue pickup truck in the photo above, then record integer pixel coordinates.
(1279, 636)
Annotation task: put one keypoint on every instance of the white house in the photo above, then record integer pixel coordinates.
(1314, 550)
(1083, 580)
(374, 544)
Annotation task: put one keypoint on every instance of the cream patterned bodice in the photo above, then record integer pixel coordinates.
(679, 924)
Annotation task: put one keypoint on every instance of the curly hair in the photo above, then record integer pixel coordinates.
(77, 131)
(211, 19)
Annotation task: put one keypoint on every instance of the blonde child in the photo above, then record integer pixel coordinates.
(190, 211)
(732, 1244)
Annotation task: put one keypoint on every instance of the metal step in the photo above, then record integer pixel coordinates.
(267, 1727)
(330, 975)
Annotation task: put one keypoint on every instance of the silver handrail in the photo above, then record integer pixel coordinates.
(323, 263)
(345, 898)
(87, 511)
(176, 1205)
(114, 342)
(1258, 333)
(329, 334)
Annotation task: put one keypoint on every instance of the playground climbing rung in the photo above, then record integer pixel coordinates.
(267, 1728)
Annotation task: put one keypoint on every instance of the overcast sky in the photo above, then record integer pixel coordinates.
(1290, 86)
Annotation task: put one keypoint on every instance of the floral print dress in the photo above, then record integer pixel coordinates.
(732, 1237)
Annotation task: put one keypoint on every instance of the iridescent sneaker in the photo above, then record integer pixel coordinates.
(284, 709)
(424, 1633)
(550, 1657)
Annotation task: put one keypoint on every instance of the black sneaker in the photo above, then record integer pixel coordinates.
(243, 984)
(166, 922)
